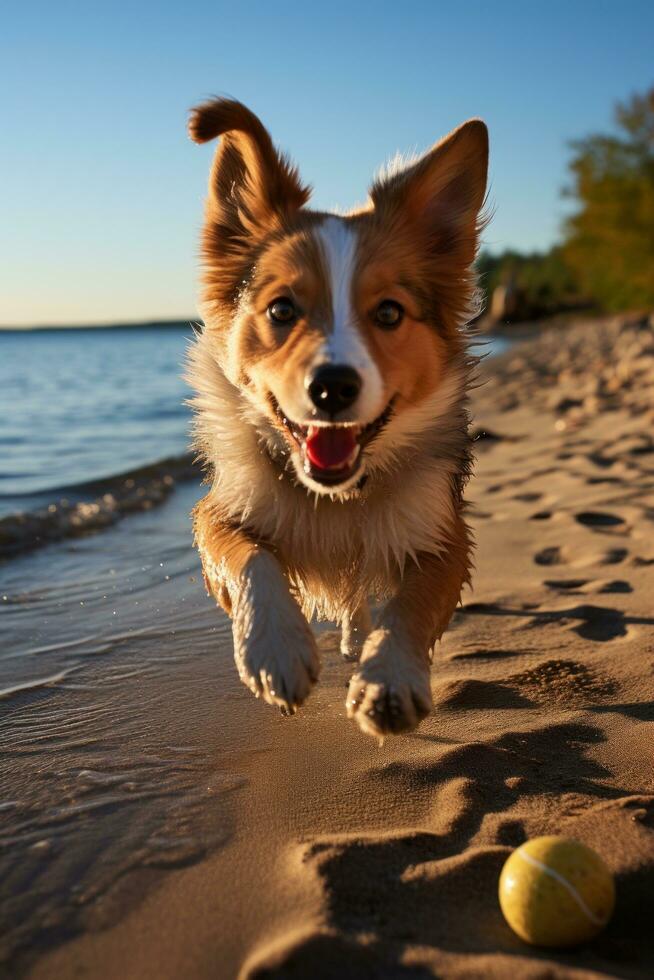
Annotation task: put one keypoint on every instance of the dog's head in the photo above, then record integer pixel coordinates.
(338, 330)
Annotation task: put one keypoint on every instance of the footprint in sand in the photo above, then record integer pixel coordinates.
(565, 584)
(550, 556)
(556, 555)
(602, 623)
(604, 462)
(564, 682)
(613, 556)
(598, 623)
(617, 585)
(598, 519)
(582, 585)
(493, 654)
(470, 694)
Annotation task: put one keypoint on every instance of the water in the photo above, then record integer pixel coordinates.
(116, 676)
(82, 405)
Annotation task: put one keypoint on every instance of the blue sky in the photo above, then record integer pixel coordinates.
(101, 189)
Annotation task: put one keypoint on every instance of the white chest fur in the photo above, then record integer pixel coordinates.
(336, 552)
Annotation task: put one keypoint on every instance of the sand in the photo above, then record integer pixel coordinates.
(311, 851)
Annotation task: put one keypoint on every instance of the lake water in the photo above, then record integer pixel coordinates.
(81, 405)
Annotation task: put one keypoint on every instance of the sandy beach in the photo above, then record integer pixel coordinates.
(157, 821)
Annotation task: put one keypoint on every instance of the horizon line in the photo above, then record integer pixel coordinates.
(101, 325)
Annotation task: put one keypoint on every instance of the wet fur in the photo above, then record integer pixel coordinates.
(400, 537)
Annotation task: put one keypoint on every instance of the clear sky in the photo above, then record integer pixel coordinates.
(100, 189)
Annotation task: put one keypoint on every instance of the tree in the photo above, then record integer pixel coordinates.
(610, 239)
(539, 284)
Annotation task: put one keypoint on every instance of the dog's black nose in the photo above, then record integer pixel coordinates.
(334, 387)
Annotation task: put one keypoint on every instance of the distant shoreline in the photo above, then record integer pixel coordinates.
(130, 325)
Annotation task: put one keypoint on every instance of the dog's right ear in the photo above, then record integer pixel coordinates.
(252, 187)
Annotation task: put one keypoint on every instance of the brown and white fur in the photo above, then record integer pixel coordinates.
(280, 544)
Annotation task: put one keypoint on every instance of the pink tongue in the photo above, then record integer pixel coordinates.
(330, 447)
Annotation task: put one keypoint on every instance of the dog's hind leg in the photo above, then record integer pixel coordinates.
(355, 628)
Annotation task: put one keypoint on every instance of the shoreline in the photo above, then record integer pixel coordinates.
(93, 505)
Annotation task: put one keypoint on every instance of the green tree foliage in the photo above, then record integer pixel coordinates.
(539, 283)
(610, 239)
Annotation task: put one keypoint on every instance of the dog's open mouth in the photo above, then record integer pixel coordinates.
(331, 454)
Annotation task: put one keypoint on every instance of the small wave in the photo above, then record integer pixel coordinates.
(34, 684)
(99, 504)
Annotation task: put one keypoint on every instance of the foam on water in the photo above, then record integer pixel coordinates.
(101, 505)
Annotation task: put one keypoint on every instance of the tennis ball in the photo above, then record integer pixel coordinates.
(555, 891)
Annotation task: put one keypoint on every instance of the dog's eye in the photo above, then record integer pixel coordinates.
(388, 314)
(282, 310)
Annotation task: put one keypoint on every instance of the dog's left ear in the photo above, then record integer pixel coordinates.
(442, 193)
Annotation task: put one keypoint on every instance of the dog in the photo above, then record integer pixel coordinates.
(331, 386)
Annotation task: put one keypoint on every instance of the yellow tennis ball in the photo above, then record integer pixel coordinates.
(555, 891)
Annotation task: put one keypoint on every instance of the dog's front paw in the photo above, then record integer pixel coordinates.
(274, 648)
(390, 692)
